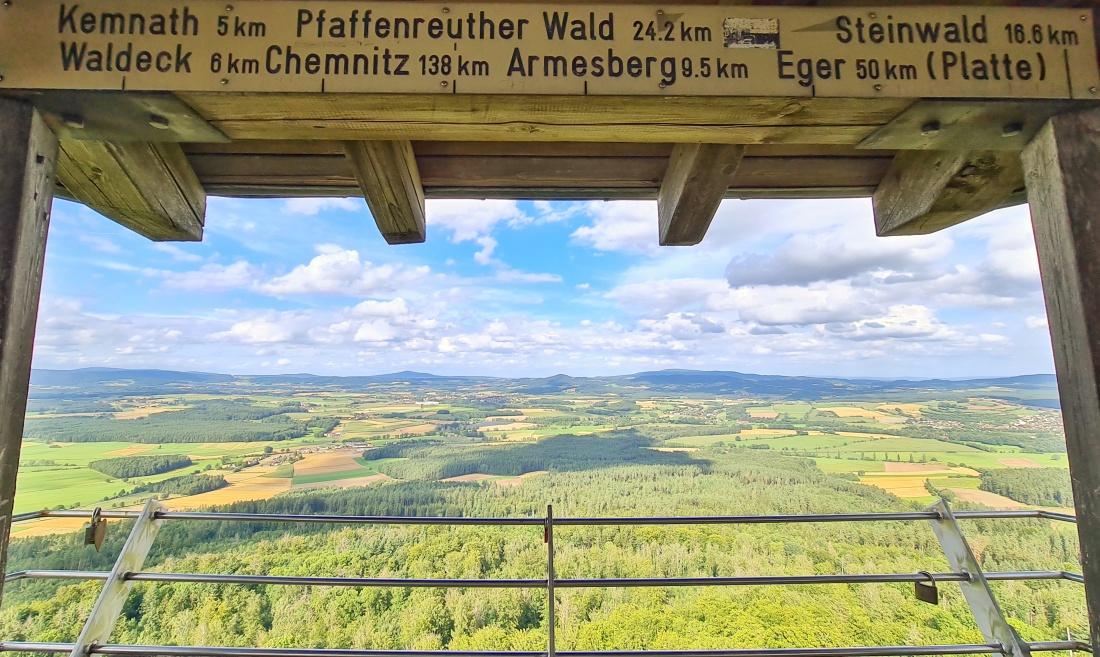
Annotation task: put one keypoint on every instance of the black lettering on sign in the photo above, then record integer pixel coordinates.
(963, 30)
(123, 59)
(173, 23)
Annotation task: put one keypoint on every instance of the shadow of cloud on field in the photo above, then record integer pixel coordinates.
(565, 453)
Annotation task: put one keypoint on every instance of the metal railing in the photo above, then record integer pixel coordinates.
(1000, 637)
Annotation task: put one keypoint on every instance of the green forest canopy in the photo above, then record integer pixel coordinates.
(726, 481)
(125, 467)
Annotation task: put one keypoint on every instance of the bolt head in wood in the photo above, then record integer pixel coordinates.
(930, 128)
(73, 121)
(159, 122)
(1012, 129)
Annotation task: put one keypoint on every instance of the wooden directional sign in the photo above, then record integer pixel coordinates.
(503, 48)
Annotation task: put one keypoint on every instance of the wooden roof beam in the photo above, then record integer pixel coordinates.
(927, 191)
(148, 187)
(695, 183)
(387, 173)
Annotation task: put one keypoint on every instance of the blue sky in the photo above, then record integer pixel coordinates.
(535, 288)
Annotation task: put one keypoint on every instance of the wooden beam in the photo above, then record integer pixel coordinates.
(386, 172)
(695, 183)
(148, 187)
(926, 191)
(1062, 170)
(28, 157)
(424, 117)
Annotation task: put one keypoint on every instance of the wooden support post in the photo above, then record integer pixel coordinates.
(695, 183)
(926, 191)
(1062, 170)
(28, 157)
(148, 187)
(387, 174)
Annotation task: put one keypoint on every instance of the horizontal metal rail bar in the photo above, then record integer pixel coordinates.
(56, 574)
(778, 580)
(538, 522)
(856, 651)
(196, 651)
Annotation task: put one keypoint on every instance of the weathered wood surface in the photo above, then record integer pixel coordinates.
(390, 181)
(1062, 170)
(344, 117)
(696, 182)
(149, 188)
(617, 175)
(28, 157)
(926, 191)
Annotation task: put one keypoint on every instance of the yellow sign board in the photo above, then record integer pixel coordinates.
(502, 48)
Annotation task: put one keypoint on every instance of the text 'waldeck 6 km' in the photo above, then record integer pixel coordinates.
(465, 48)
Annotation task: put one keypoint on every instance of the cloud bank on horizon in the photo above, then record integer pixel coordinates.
(510, 288)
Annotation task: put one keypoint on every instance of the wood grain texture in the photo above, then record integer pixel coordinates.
(557, 110)
(695, 183)
(927, 191)
(28, 158)
(224, 172)
(390, 181)
(1062, 170)
(344, 117)
(363, 129)
(149, 188)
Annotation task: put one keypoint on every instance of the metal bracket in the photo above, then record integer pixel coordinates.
(105, 613)
(991, 620)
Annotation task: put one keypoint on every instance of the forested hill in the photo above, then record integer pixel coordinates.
(715, 481)
(1034, 390)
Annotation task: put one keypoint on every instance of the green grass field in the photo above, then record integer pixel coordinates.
(366, 469)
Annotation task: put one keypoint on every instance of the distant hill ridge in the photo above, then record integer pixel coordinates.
(1033, 389)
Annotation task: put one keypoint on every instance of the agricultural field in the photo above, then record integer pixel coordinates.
(266, 442)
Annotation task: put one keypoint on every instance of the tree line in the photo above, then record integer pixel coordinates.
(126, 467)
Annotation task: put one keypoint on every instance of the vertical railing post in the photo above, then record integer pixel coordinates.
(105, 613)
(551, 619)
(991, 620)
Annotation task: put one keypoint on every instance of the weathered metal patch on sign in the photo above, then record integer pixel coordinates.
(499, 48)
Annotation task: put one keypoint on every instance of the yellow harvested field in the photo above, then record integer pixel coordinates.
(992, 500)
(674, 449)
(345, 483)
(244, 486)
(315, 464)
(47, 527)
(130, 451)
(145, 412)
(916, 468)
(1019, 463)
(469, 477)
(908, 409)
(902, 486)
(763, 415)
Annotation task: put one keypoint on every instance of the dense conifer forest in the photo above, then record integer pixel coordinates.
(125, 467)
(610, 475)
(1032, 486)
